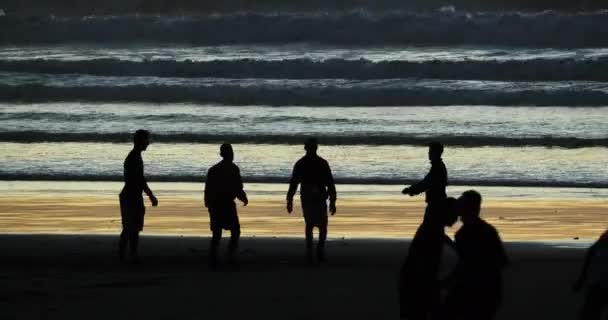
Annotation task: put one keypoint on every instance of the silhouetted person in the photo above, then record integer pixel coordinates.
(476, 283)
(433, 184)
(419, 290)
(223, 185)
(594, 275)
(317, 185)
(132, 208)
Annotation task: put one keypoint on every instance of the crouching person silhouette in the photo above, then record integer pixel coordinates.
(223, 185)
(475, 285)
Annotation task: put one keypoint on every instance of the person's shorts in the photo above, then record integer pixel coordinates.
(132, 211)
(315, 213)
(224, 216)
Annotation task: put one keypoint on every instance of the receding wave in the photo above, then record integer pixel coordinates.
(5, 176)
(330, 95)
(546, 29)
(362, 69)
(364, 139)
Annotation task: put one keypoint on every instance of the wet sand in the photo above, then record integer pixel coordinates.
(78, 276)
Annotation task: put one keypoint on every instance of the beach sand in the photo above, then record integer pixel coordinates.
(363, 216)
(78, 276)
(59, 257)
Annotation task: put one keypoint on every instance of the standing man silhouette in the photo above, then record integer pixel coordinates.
(317, 185)
(433, 184)
(223, 185)
(132, 208)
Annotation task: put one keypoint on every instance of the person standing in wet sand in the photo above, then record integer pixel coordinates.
(317, 185)
(222, 186)
(132, 209)
(419, 289)
(433, 184)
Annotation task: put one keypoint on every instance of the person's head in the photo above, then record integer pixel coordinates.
(141, 139)
(451, 213)
(469, 205)
(226, 152)
(435, 150)
(311, 145)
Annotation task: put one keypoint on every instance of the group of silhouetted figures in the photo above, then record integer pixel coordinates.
(473, 289)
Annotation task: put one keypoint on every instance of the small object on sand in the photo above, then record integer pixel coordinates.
(501, 218)
(575, 238)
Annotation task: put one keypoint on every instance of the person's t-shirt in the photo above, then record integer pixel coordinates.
(315, 177)
(134, 175)
(223, 184)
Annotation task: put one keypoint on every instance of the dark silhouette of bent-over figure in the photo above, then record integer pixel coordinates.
(433, 184)
(317, 185)
(132, 208)
(223, 185)
(594, 275)
(419, 289)
(476, 290)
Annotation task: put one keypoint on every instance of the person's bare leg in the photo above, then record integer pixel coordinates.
(122, 244)
(233, 245)
(133, 246)
(214, 246)
(321, 244)
(309, 239)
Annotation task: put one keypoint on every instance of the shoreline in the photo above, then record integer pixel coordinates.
(11, 178)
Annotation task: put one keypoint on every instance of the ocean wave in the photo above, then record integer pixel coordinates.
(375, 138)
(7, 176)
(356, 28)
(361, 69)
(322, 94)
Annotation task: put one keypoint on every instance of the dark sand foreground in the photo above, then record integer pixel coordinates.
(79, 277)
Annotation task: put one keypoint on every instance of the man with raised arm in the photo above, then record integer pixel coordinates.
(317, 186)
(433, 184)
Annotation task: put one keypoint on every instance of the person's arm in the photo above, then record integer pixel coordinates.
(148, 192)
(583, 273)
(449, 242)
(421, 186)
(293, 187)
(241, 195)
(207, 193)
(331, 190)
(144, 184)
